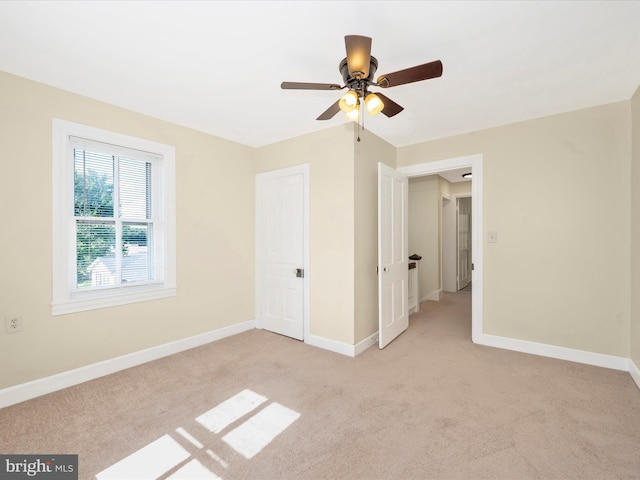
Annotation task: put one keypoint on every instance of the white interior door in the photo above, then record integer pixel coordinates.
(463, 225)
(393, 246)
(280, 200)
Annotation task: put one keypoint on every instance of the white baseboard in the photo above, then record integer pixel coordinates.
(26, 391)
(370, 341)
(434, 296)
(562, 353)
(635, 372)
(331, 345)
(552, 351)
(341, 347)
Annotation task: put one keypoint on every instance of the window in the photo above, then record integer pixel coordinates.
(113, 219)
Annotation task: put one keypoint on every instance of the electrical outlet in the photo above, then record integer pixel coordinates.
(13, 323)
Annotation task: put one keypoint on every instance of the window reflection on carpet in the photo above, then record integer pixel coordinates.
(172, 456)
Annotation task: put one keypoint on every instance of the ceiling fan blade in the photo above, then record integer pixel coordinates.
(330, 112)
(309, 86)
(391, 108)
(410, 75)
(358, 55)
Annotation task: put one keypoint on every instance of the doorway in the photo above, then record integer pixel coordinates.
(475, 164)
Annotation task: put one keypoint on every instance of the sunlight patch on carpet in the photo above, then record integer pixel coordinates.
(187, 436)
(151, 461)
(227, 412)
(256, 433)
(194, 470)
(168, 459)
(217, 458)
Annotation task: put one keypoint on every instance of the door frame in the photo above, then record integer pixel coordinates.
(269, 175)
(474, 162)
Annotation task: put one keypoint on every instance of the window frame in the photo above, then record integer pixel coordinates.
(66, 297)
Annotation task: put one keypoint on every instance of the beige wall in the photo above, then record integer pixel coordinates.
(454, 188)
(368, 153)
(343, 223)
(459, 188)
(215, 238)
(557, 191)
(635, 232)
(329, 154)
(424, 231)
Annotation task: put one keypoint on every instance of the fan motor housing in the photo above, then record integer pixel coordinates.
(354, 83)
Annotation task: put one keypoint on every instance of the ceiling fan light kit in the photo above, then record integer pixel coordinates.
(353, 115)
(349, 101)
(357, 71)
(373, 103)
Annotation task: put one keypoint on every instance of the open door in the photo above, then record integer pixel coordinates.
(393, 246)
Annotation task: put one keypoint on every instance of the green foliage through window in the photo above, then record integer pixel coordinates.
(93, 184)
(97, 219)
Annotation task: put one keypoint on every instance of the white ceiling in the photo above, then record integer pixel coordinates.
(216, 66)
(455, 176)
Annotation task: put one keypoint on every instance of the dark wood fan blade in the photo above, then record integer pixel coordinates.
(330, 112)
(391, 108)
(410, 75)
(358, 55)
(309, 86)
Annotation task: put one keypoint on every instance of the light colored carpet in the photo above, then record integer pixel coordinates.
(432, 405)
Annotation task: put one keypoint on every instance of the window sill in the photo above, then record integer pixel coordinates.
(94, 300)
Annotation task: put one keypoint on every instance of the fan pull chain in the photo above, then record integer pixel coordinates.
(361, 122)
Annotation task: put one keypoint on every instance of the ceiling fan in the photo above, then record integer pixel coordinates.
(357, 71)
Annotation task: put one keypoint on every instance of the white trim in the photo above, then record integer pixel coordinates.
(340, 347)
(362, 345)
(62, 232)
(476, 163)
(634, 371)
(429, 168)
(26, 391)
(59, 381)
(434, 296)
(553, 351)
(260, 177)
(331, 345)
(455, 196)
(111, 299)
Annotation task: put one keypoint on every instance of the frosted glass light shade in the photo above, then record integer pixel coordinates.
(373, 103)
(348, 102)
(353, 115)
